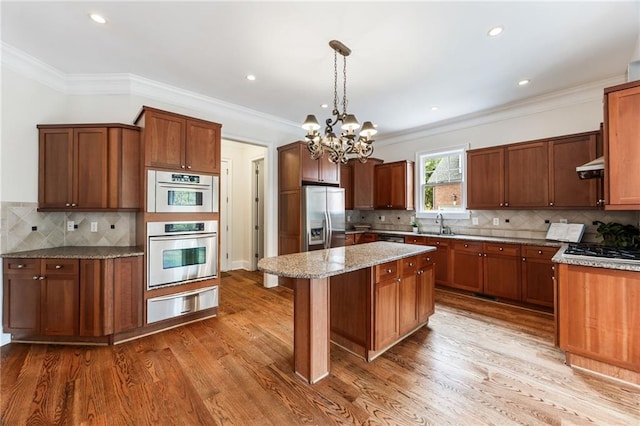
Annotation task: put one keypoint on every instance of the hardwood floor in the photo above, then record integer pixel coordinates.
(477, 362)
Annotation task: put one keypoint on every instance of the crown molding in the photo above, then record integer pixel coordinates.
(564, 98)
(132, 85)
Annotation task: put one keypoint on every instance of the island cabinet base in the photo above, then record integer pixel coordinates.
(598, 319)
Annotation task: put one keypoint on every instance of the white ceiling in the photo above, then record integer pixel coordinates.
(406, 56)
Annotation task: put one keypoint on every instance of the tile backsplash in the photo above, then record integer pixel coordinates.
(22, 227)
(512, 223)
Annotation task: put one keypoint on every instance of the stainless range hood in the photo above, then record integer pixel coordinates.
(592, 169)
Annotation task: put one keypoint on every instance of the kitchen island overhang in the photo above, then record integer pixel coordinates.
(358, 271)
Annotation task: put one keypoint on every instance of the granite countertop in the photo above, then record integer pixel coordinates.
(526, 241)
(595, 262)
(338, 260)
(78, 252)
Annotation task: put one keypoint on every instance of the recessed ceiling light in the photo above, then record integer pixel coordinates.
(524, 82)
(97, 18)
(434, 108)
(495, 31)
(324, 106)
(251, 77)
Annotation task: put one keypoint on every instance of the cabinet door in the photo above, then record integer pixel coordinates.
(622, 150)
(383, 187)
(485, 178)
(426, 285)
(127, 293)
(441, 259)
(466, 264)
(502, 273)
(21, 301)
(537, 275)
(407, 295)
(309, 168)
(328, 172)
(527, 175)
(202, 147)
(364, 184)
(386, 313)
(567, 190)
(91, 153)
(95, 293)
(60, 297)
(164, 138)
(399, 186)
(55, 174)
(346, 182)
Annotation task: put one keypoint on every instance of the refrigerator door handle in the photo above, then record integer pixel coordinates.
(329, 231)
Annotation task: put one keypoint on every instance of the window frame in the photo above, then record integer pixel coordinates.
(462, 213)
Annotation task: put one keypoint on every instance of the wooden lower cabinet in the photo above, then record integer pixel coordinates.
(71, 297)
(367, 237)
(537, 275)
(501, 267)
(466, 266)
(442, 259)
(598, 319)
(374, 308)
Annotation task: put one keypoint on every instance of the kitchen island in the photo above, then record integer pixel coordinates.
(364, 298)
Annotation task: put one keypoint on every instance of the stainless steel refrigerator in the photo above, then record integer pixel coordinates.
(323, 217)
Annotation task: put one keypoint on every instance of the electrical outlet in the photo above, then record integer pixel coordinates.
(381, 218)
(474, 220)
(348, 218)
(496, 221)
(94, 226)
(563, 220)
(70, 225)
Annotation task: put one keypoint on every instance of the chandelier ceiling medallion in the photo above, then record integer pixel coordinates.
(348, 144)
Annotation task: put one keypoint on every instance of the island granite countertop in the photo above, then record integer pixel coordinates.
(78, 252)
(334, 261)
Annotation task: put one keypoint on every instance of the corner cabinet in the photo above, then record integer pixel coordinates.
(536, 174)
(92, 167)
(394, 186)
(176, 142)
(622, 150)
(72, 298)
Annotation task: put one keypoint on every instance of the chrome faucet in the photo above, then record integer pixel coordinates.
(440, 220)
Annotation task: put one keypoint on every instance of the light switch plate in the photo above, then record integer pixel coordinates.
(496, 221)
(474, 220)
(94, 226)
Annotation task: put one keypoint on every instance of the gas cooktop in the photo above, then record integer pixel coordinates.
(582, 250)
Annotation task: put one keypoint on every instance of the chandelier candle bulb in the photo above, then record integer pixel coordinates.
(348, 144)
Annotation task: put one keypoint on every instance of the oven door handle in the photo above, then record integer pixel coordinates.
(182, 236)
(183, 186)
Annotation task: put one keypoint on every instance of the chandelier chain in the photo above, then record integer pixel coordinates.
(344, 88)
(335, 80)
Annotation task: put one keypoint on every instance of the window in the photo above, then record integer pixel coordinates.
(440, 184)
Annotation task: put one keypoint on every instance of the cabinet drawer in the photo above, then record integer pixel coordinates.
(349, 239)
(386, 271)
(409, 265)
(419, 240)
(539, 252)
(21, 266)
(425, 259)
(60, 266)
(438, 242)
(468, 246)
(502, 249)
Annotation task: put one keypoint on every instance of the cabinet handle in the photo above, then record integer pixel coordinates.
(551, 204)
(600, 202)
(553, 268)
(41, 278)
(437, 243)
(410, 263)
(188, 167)
(388, 271)
(480, 254)
(428, 259)
(67, 205)
(506, 204)
(500, 204)
(500, 249)
(58, 266)
(20, 266)
(524, 259)
(73, 204)
(182, 166)
(485, 255)
(35, 277)
(466, 246)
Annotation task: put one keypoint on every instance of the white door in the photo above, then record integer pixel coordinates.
(258, 212)
(225, 214)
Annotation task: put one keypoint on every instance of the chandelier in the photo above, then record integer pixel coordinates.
(348, 144)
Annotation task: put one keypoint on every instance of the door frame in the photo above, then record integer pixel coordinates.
(226, 215)
(257, 208)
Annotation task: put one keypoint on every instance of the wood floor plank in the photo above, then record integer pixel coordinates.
(477, 362)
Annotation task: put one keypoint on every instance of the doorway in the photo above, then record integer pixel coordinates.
(257, 212)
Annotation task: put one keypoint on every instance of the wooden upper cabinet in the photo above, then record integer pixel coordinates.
(321, 170)
(346, 182)
(622, 147)
(527, 175)
(394, 185)
(485, 178)
(566, 190)
(173, 141)
(364, 183)
(89, 167)
(296, 166)
(536, 174)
